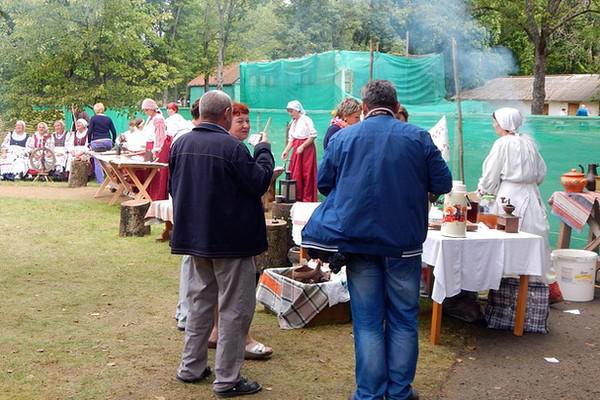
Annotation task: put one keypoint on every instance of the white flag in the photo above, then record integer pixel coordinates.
(439, 135)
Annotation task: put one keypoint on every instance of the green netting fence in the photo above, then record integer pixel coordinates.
(321, 81)
(564, 143)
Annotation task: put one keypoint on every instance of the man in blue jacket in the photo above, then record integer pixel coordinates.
(377, 176)
(216, 185)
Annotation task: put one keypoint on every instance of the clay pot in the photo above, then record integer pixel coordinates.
(573, 181)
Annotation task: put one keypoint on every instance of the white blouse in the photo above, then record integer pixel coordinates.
(177, 125)
(302, 128)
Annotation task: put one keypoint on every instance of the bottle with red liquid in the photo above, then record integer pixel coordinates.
(148, 156)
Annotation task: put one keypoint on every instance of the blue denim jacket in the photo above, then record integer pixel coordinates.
(376, 176)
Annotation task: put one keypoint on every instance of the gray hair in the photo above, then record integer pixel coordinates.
(82, 122)
(213, 104)
(379, 93)
(60, 122)
(347, 107)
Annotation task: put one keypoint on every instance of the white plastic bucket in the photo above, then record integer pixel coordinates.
(575, 272)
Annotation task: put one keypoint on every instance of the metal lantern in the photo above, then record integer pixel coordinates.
(287, 188)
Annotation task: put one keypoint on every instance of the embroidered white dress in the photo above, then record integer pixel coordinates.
(513, 169)
(14, 155)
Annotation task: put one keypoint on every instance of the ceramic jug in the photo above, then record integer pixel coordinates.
(456, 204)
(573, 181)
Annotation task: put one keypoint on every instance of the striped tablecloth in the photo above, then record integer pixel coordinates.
(574, 209)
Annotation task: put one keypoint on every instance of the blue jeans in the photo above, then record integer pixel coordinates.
(384, 296)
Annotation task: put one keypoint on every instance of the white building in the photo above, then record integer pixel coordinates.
(562, 92)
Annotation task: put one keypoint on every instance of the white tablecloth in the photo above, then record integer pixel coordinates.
(479, 261)
(159, 212)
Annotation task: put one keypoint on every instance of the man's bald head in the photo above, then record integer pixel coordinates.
(215, 107)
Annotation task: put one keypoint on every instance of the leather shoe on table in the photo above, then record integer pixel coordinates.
(205, 374)
(243, 387)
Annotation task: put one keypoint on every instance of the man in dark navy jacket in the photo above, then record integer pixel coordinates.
(216, 185)
(377, 175)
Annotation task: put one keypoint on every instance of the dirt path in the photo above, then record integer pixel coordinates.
(506, 367)
(58, 191)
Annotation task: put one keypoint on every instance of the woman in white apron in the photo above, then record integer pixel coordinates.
(513, 170)
(14, 162)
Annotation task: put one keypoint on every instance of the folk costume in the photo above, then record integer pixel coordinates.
(303, 165)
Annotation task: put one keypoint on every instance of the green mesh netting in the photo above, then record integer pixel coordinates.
(564, 142)
(321, 81)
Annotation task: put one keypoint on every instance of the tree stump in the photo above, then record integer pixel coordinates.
(132, 218)
(282, 211)
(78, 176)
(276, 254)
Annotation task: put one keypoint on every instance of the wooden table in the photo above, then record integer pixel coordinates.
(120, 175)
(125, 169)
(478, 262)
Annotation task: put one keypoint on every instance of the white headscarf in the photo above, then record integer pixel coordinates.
(295, 105)
(149, 104)
(509, 119)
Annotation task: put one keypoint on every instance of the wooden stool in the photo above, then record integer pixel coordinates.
(78, 176)
(132, 218)
(276, 254)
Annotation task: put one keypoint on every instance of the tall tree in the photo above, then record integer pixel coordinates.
(542, 21)
(229, 12)
(79, 52)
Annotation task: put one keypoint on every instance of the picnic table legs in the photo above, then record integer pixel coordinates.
(436, 323)
(142, 193)
(521, 305)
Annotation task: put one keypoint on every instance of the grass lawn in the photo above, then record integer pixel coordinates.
(86, 314)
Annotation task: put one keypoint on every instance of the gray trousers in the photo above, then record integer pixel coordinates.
(183, 306)
(230, 283)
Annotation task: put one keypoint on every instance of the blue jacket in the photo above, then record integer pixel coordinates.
(376, 176)
(217, 186)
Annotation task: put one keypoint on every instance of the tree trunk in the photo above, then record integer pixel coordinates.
(539, 77)
(78, 176)
(220, 61)
(132, 218)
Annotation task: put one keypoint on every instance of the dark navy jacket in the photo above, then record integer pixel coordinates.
(216, 187)
(376, 176)
(101, 127)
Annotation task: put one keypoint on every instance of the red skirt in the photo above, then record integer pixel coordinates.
(158, 188)
(304, 171)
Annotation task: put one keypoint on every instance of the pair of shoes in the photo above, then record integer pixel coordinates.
(205, 374)
(257, 351)
(243, 387)
(555, 295)
(180, 328)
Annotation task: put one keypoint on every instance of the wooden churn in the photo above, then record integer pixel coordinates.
(276, 254)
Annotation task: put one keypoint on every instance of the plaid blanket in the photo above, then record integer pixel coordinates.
(295, 303)
(500, 311)
(573, 209)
